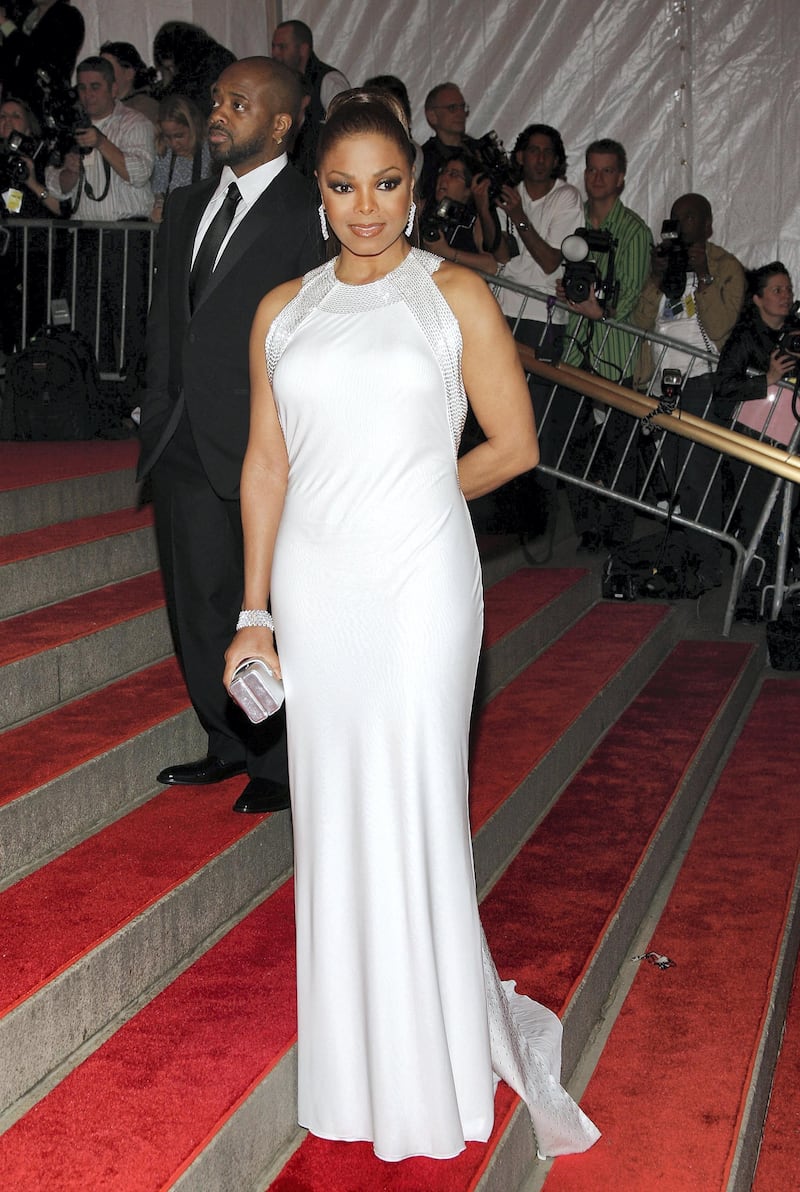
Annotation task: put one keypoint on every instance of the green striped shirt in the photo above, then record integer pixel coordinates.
(611, 353)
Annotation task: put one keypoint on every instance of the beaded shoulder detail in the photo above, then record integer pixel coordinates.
(411, 283)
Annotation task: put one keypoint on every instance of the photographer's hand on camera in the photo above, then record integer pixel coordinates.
(92, 138)
(547, 257)
(780, 366)
(590, 308)
(39, 190)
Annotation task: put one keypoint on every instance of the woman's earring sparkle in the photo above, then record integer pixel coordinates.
(323, 223)
(410, 225)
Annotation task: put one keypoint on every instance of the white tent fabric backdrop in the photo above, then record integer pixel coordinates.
(703, 93)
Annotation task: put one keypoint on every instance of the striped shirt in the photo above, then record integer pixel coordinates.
(611, 353)
(134, 135)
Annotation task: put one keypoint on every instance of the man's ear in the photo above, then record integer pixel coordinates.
(283, 122)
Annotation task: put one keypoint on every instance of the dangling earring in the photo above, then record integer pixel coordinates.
(410, 225)
(323, 222)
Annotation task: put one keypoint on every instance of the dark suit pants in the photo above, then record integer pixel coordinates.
(201, 551)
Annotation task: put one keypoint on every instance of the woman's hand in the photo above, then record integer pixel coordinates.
(780, 365)
(250, 643)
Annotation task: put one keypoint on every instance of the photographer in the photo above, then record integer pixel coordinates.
(760, 353)
(106, 177)
(446, 111)
(607, 351)
(693, 295)
(22, 186)
(450, 225)
(22, 195)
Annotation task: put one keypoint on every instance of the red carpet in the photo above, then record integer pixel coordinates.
(545, 915)
(134, 1115)
(23, 465)
(535, 709)
(70, 620)
(16, 547)
(512, 600)
(780, 1146)
(669, 1089)
(88, 726)
(131, 869)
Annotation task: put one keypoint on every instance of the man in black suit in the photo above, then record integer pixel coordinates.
(222, 246)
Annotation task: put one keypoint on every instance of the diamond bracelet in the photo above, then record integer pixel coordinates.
(255, 618)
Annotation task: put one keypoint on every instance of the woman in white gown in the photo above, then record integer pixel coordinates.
(356, 528)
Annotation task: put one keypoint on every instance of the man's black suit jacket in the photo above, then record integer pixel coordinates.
(200, 360)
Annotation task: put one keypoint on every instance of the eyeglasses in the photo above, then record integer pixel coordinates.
(452, 107)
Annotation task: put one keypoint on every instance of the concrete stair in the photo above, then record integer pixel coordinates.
(85, 588)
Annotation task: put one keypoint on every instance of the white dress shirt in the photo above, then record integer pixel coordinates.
(251, 187)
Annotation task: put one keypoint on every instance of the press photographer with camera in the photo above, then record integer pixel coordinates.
(450, 225)
(21, 178)
(694, 295)
(617, 262)
(105, 176)
(446, 111)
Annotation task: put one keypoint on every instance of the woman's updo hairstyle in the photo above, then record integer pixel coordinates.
(363, 111)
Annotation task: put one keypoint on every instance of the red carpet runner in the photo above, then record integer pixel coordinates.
(669, 1089)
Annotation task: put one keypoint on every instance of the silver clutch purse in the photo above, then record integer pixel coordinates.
(256, 689)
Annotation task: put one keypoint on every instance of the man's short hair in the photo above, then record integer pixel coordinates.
(300, 32)
(606, 145)
(545, 130)
(99, 66)
(435, 92)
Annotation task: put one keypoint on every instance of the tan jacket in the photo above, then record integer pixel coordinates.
(718, 306)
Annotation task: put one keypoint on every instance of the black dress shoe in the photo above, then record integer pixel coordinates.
(262, 794)
(201, 773)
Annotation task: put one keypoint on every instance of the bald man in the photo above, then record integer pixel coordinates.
(195, 411)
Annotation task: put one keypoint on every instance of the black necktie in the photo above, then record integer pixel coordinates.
(211, 243)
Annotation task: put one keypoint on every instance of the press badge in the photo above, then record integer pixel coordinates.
(13, 200)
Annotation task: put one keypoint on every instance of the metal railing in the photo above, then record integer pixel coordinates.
(95, 277)
(753, 467)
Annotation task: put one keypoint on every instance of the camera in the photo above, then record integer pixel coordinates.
(674, 253)
(13, 170)
(671, 386)
(580, 273)
(494, 163)
(62, 116)
(789, 342)
(445, 219)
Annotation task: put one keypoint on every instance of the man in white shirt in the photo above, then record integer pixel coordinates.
(107, 178)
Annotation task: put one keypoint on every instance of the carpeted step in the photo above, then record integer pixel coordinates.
(561, 917)
(681, 1084)
(87, 934)
(64, 650)
(80, 765)
(150, 1106)
(780, 1144)
(42, 566)
(42, 483)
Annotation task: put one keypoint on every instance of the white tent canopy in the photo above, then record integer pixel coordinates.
(702, 93)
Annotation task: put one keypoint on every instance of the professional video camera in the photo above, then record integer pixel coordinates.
(62, 116)
(13, 170)
(493, 161)
(445, 219)
(580, 274)
(674, 253)
(789, 342)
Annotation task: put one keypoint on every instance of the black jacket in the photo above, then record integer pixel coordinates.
(748, 346)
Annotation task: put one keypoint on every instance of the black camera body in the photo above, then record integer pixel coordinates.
(495, 164)
(445, 219)
(13, 170)
(62, 117)
(789, 342)
(676, 257)
(580, 273)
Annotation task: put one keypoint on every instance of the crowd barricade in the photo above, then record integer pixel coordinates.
(95, 277)
(757, 470)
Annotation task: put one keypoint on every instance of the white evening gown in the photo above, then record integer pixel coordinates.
(377, 599)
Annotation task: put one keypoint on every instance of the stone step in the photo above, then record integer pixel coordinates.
(39, 567)
(64, 650)
(45, 483)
